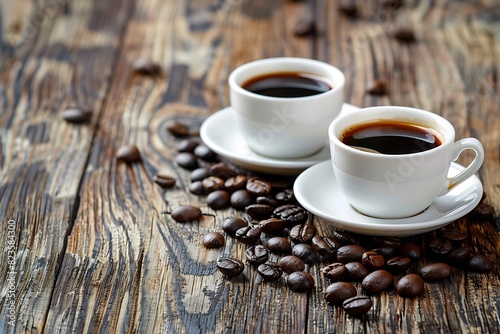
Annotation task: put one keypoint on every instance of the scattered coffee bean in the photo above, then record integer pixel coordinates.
(259, 211)
(267, 200)
(233, 224)
(411, 250)
(248, 235)
(257, 255)
(350, 253)
(222, 170)
(230, 267)
(146, 66)
(302, 233)
(335, 271)
(204, 153)
(480, 264)
(410, 286)
(372, 260)
(212, 183)
(405, 35)
(291, 263)
(398, 264)
(270, 271)
(356, 271)
(337, 292)
(218, 199)
(305, 252)
(278, 245)
(455, 236)
(343, 238)
(258, 187)
(272, 225)
(305, 26)
(460, 256)
(186, 213)
(240, 199)
(435, 272)
(386, 252)
(392, 5)
(440, 247)
(187, 145)
(392, 242)
(292, 214)
(235, 183)
(285, 196)
(348, 8)
(186, 160)
(197, 188)
(199, 174)
(325, 246)
(377, 281)
(128, 153)
(177, 128)
(213, 240)
(164, 180)
(357, 306)
(483, 211)
(300, 281)
(76, 115)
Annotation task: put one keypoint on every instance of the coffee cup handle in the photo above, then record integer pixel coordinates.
(458, 147)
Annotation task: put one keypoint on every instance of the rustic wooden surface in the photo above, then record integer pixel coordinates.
(94, 251)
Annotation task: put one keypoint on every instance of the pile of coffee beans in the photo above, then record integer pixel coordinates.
(282, 242)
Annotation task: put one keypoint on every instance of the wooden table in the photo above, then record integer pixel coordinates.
(87, 245)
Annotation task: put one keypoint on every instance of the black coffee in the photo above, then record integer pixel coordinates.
(287, 84)
(389, 137)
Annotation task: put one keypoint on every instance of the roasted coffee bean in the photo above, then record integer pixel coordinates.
(279, 245)
(187, 145)
(186, 160)
(305, 26)
(325, 246)
(128, 153)
(177, 128)
(335, 271)
(233, 224)
(357, 306)
(240, 199)
(337, 292)
(258, 187)
(483, 211)
(344, 238)
(356, 271)
(197, 188)
(279, 184)
(291, 263)
(259, 211)
(398, 264)
(411, 250)
(348, 8)
(222, 170)
(440, 247)
(377, 87)
(410, 286)
(392, 5)
(455, 236)
(218, 199)
(460, 256)
(270, 271)
(392, 242)
(186, 213)
(284, 196)
(164, 180)
(257, 255)
(405, 34)
(435, 272)
(146, 66)
(212, 183)
(305, 252)
(213, 240)
(372, 260)
(272, 225)
(302, 233)
(377, 281)
(76, 115)
(300, 281)
(235, 183)
(199, 174)
(204, 153)
(350, 253)
(248, 235)
(267, 200)
(230, 267)
(386, 252)
(293, 214)
(480, 264)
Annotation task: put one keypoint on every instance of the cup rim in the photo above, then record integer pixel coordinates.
(338, 78)
(447, 138)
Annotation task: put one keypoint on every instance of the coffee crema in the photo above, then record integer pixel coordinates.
(287, 84)
(391, 137)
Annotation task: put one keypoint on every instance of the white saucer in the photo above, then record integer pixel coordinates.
(316, 190)
(220, 133)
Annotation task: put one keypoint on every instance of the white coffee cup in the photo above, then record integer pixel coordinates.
(397, 186)
(285, 127)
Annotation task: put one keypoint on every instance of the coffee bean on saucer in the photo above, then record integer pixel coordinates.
(212, 183)
(356, 271)
(435, 272)
(177, 128)
(410, 286)
(278, 245)
(357, 306)
(236, 183)
(76, 115)
(248, 235)
(233, 224)
(272, 225)
(258, 187)
(197, 188)
(240, 199)
(377, 281)
(440, 247)
(257, 255)
(199, 174)
(270, 271)
(164, 180)
(337, 292)
(302, 233)
(186, 213)
(186, 160)
(398, 264)
(128, 153)
(146, 66)
(373, 260)
(218, 199)
(291, 213)
(204, 153)
(291, 263)
(325, 246)
(334, 271)
(480, 264)
(411, 250)
(187, 145)
(230, 267)
(259, 211)
(213, 240)
(305, 252)
(300, 281)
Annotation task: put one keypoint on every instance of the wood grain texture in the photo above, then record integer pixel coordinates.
(97, 250)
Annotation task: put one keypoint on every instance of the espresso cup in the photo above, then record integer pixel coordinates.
(279, 118)
(397, 185)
